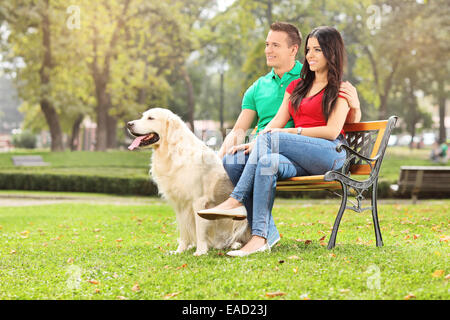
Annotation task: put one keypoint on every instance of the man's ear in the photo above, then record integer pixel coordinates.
(294, 49)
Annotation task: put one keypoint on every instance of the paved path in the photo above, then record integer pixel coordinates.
(32, 199)
(18, 200)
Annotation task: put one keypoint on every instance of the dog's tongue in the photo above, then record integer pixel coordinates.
(136, 143)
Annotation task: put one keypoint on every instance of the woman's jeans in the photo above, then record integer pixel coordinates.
(278, 156)
(234, 165)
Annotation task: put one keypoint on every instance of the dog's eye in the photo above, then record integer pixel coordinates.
(149, 118)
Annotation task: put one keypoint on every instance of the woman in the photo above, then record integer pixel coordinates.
(319, 111)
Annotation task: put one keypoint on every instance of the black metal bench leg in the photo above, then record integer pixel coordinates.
(332, 241)
(376, 224)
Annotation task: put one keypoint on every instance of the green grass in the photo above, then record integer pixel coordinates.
(45, 249)
(136, 164)
(110, 164)
(396, 157)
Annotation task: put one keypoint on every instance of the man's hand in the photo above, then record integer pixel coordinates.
(247, 147)
(348, 91)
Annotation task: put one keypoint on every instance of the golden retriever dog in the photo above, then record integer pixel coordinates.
(191, 177)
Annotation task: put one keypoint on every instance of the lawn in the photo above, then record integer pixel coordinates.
(136, 164)
(87, 251)
(109, 164)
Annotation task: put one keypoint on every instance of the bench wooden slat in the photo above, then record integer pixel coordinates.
(29, 161)
(368, 139)
(417, 179)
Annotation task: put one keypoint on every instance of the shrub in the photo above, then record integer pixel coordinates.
(25, 140)
(53, 182)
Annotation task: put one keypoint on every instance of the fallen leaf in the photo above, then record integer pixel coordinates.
(438, 273)
(323, 238)
(444, 239)
(93, 281)
(12, 252)
(136, 288)
(97, 230)
(416, 236)
(170, 295)
(281, 261)
(447, 277)
(410, 296)
(121, 298)
(183, 266)
(293, 258)
(119, 240)
(275, 294)
(70, 260)
(295, 269)
(97, 290)
(344, 290)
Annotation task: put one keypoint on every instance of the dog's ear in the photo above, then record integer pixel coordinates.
(173, 132)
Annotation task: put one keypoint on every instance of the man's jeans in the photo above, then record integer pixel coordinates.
(278, 156)
(234, 165)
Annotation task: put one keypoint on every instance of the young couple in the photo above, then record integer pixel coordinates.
(301, 111)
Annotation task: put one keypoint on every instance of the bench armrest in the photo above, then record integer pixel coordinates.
(344, 173)
(347, 148)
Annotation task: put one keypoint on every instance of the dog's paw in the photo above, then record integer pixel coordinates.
(236, 245)
(200, 252)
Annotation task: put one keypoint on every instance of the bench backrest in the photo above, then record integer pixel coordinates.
(28, 161)
(369, 139)
(424, 178)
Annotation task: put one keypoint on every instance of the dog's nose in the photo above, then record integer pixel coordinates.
(130, 124)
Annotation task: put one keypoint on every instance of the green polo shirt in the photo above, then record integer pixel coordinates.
(266, 94)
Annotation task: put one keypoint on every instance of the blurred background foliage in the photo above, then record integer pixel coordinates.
(110, 60)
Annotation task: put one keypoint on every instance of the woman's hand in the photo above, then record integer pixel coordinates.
(287, 130)
(247, 147)
(348, 91)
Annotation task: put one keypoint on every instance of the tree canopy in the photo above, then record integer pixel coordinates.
(111, 60)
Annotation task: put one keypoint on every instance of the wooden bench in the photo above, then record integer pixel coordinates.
(367, 143)
(29, 161)
(424, 179)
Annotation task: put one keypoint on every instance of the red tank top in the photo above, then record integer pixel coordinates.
(309, 114)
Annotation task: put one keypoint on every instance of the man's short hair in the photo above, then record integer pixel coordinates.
(294, 36)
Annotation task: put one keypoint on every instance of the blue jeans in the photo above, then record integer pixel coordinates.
(278, 156)
(234, 165)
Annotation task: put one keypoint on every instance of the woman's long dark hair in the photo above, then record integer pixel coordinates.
(332, 46)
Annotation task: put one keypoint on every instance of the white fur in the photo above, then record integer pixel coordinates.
(191, 177)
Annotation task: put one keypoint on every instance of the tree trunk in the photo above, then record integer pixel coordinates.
(111, 139)
(51, 116)
(74, 141)
(441, 102)
(222, 105)
(269, 12)
(190, 91)
(101, 78)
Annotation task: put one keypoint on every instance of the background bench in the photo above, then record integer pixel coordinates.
(367, 144)
(28, 161)
(424, 179)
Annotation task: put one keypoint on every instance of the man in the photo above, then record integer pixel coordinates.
(263, 99)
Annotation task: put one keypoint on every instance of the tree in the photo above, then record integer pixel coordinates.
(31, 25)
